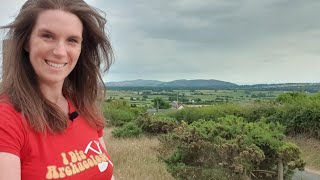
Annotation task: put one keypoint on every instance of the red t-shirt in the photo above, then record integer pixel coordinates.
(75, 154)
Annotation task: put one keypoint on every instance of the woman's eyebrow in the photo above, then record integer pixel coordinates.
(76, 37)
(45, 30)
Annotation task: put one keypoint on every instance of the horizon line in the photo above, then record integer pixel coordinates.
(238, 83)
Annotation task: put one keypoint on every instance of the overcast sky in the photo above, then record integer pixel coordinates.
(240, 41)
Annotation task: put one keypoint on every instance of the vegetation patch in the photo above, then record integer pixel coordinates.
(234, 140)
(236, 148)
(128, 130)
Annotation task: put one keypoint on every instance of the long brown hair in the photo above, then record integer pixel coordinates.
(81, 87)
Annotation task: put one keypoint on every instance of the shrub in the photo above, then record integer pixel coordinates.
(207, 113)
(301, 117)
(118, 112)
(228, 145)
(298, 112)
(119, 117)
(255, 111)
(291, 97)
(128, 130)
(156, 124)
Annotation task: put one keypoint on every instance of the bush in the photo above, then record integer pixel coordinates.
(207, 113)
(237, 146)
(119, 117)
(255, 111)
(252, 112)
(128, 130)
(156, 124)
(291, 97)
(118, 112)
(298, 112)
(301, 117)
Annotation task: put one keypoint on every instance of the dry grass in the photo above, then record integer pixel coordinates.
(310, 150)
(135, 159)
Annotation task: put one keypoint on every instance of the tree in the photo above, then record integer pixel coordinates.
(172, 98)
(159, 103)
(291, 97)
(254, 96)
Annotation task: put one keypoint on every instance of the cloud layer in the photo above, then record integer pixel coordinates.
(240, 41)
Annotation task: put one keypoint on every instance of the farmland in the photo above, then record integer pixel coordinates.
(193, 97)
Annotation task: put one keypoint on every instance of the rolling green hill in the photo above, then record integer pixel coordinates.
(210, 84)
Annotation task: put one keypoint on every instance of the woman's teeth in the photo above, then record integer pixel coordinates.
(55, 65)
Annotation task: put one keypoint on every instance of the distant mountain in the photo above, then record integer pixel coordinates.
(309, 87)
(141, 84)
(135, 83)
(183, 83)
(199, 83)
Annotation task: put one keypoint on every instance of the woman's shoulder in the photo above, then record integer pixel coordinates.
(12, 129)
(6, 105)
(8, 113)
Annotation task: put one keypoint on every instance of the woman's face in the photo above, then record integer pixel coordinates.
(55, 45)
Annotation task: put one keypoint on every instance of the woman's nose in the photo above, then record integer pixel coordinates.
(60, 49)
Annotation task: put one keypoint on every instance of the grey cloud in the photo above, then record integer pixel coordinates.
(235, 40)
(219, 22)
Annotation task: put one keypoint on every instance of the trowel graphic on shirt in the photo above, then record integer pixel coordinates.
(77, 161)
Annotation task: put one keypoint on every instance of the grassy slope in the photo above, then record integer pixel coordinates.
(310, 151)
(135, 159)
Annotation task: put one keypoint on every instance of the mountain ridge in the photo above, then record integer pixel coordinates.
(175, 83)
(210, 84)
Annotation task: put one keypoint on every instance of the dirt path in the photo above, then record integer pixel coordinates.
(312, 171)
(308, 174)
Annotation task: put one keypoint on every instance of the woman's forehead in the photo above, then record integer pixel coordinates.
(60, 22)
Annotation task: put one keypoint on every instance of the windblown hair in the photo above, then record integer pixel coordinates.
(82, 86)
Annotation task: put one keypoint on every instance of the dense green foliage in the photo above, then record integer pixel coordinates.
(156, 124)
(159, 103)
(118, 112)
(251, 111)
(230, 147)
(130, 129)
(227, 140)
(298, 112)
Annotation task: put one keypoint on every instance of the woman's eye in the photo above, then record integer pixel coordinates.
(47, 36)
(73, 40)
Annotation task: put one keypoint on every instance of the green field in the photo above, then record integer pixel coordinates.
(193, 97)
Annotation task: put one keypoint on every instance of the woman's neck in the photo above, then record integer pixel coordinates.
(54, 94)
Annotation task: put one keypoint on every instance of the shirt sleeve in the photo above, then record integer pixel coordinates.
(100, 132)
(12, 136)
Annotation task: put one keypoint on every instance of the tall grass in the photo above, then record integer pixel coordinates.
(310, 148)
(135, 159)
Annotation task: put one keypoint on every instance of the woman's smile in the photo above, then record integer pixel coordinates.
(55, 65)
(54, 48)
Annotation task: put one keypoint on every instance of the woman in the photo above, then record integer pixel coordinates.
(50, 124)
